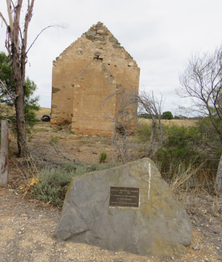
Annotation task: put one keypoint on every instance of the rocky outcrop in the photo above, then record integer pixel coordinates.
(129, 208)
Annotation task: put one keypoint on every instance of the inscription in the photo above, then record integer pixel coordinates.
(124, 196)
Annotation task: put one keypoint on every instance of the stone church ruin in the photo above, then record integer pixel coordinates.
(91, 69)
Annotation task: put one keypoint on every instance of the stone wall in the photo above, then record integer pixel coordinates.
(96, 44)
(94, 83)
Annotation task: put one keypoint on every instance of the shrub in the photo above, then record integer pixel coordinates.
(183, 146)
(102, 157)
(54, 182)
(52, 186)
(143, 133)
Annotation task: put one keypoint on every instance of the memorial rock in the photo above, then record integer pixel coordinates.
(127, 208)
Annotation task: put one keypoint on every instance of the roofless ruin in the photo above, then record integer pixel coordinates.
(91, 69)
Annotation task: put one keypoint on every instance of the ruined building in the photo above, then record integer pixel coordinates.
(92, 68)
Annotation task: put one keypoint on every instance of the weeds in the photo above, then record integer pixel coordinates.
(182, 180)
(71, 132)
(54, 139)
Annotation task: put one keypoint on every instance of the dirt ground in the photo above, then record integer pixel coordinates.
(27, 225)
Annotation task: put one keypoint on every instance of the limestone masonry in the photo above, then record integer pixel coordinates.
(92, 68)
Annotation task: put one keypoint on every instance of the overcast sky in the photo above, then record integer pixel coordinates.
(161, 35)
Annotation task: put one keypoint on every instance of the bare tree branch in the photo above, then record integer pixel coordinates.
(153, 107)
(9, 9)
(125, 122)
(202, 81)
(4, 20)
(27, 20)
(40, 34)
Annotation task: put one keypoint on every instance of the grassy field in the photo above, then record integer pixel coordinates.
(7, 110)
(46, 111)
(178, 122)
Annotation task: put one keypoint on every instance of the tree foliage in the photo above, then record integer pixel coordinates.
(31, 103)
(167, 115)
(6, 78)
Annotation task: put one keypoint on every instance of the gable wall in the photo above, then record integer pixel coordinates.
(96, 42)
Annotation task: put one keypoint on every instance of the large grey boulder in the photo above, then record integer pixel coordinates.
(127, 208)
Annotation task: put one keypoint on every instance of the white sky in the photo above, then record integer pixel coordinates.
(161, 35)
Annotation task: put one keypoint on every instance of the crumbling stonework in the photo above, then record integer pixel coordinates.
(88, 71)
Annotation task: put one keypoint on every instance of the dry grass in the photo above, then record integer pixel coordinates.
(8, 110)
(43, 111)
(47, 111)
(182, 180)
(178, 122)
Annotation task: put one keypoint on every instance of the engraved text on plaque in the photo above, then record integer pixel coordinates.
(124, 196)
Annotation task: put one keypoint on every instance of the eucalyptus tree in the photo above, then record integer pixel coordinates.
(16, 45)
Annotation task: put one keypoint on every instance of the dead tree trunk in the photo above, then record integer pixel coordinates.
(4, 154)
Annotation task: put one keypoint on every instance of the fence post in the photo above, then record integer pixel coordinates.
(4, 154)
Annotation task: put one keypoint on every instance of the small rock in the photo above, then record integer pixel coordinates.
(196, 248)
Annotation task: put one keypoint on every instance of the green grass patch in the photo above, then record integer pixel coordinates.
(102, 157)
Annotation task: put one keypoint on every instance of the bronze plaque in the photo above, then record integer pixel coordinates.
(124, 197)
